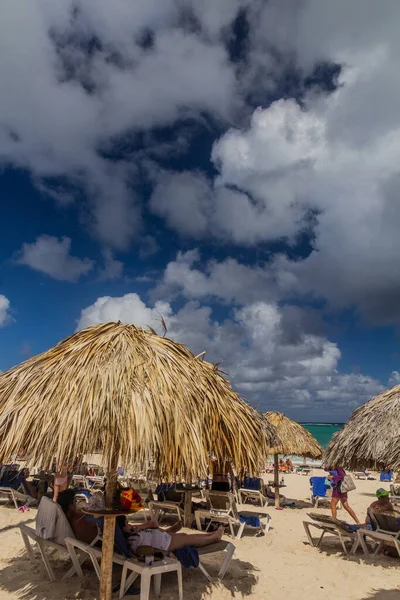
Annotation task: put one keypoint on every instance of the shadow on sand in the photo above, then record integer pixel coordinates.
(28, 581)
(384, 595)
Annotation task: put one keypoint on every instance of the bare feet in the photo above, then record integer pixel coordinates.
(220, 532)
(175, 528)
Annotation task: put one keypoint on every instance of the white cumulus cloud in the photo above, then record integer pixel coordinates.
(272, 370)
(4, 310)
(51, 256)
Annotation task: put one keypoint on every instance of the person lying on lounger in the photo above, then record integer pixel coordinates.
(168, 540)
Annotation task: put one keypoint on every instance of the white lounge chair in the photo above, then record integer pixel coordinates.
(16, 496)
(363, 475)
(331, 526)
(223, 509)
(158, 510)
(250, 493)
(387, 531)
(52, 531)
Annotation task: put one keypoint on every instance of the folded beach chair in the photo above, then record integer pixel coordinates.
(387, 531)
(223, 509)
(328, 525)
(253, 489)
(319, 491)
(168, 501)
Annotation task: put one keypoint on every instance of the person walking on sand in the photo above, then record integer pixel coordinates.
(336, 476)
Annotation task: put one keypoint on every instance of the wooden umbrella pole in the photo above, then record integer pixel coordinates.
(276, 478)
(108, 532)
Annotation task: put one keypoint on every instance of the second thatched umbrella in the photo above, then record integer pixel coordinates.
(294, 439)
(371, 437)
(132, 396)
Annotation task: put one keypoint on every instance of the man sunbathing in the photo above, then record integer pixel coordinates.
(167, 540)
(137, 534)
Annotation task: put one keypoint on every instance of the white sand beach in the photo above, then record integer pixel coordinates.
(281, 565)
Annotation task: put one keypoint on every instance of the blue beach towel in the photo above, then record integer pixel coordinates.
(252, 483)
(188, 557)
(252, 521)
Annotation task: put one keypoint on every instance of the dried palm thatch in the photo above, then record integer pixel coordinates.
(124, 391)
(294, 438)
(371, 437)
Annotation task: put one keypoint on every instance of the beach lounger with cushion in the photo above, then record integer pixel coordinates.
(328, 525)
(223, 510)
(387, 531)
(253, 489)
(319, 491)
(13, 486)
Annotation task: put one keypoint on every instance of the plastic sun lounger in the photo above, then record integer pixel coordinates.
(16, 496)
(328, 525)
(387, 531)
(253, 489)
(160, 509)
(50, 513)
(223, 509)
(363, 475)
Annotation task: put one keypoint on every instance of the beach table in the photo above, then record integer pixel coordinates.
(188, 493)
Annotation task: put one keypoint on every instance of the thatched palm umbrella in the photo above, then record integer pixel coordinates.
(294, 439)
(133, 396)
(371, 437)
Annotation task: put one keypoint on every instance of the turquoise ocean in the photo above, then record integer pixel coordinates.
(323, 432)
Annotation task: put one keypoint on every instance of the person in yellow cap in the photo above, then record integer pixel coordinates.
(382, 504)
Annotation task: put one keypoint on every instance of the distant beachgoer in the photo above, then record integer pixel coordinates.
(336, 476)
(289, 465)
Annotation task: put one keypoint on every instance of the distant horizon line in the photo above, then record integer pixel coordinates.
(321, 423)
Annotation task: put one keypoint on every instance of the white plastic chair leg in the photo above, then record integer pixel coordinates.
(157, 584)
(28, 546)
(204, 571)
(75, 561)
(126, 582)
(230, 549)
(240, 531)
(47, 564)
(180, 582)
(145, 584)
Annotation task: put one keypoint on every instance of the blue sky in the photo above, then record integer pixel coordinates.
(229, 166)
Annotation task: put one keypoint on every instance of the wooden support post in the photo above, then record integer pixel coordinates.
(276, 478)
(108, 532)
